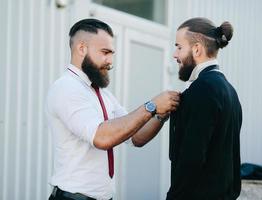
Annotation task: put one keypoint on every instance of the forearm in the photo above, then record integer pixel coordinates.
(113, 132)
(147, 132)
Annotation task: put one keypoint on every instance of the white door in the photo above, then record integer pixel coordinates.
(145, 170)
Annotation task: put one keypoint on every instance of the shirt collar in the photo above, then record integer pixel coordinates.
(76, 71)
(196, 71)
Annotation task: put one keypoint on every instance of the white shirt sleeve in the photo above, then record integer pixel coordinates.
(76, 111)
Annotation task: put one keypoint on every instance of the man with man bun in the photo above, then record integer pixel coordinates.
(205, 129)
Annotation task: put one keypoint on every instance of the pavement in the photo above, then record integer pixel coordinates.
(251, 190)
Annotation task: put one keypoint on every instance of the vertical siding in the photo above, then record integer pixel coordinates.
(240, 60)
(33, 53)
(34, 50)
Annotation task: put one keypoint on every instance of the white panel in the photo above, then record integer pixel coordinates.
(3, 56)
(145, 81)
(239, 60)
(143, 163)
(34, 50)
(6, 93)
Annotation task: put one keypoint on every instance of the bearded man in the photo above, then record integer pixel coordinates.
(87, 121)
(205, 129)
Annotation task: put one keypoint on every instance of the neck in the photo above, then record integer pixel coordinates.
(204, 59)
(76, 63)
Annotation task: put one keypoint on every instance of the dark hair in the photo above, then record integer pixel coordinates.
(89, 25)
(220, 36)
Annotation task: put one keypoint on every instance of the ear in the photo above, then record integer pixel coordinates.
(81, 49)
(197, 49)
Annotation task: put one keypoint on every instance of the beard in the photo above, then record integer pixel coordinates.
(188, 64)
(93, 71)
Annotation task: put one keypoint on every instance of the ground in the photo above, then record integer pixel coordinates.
(251, 190)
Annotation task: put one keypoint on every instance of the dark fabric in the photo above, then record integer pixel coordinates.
(110, 152)
(251, 171)
(59, 194)
(204, 141)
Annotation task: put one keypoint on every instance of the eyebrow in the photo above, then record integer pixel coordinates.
(108, 50)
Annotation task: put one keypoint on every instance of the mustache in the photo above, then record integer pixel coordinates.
(107, 67)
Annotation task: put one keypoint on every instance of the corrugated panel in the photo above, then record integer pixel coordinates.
(239, 60)
(34, 49)
(33, 53)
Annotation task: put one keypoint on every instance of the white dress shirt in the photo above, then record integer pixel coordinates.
(200, 67)
(74, 114)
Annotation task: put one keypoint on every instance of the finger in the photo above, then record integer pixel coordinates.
(174, 103)
(175, 106)
(176, 98)
(173, 93)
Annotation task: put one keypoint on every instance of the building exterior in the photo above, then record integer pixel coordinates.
(34, 52)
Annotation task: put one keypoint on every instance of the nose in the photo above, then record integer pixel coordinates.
(175, 55)
(109, 59)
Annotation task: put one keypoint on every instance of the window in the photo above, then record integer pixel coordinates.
(154, 10)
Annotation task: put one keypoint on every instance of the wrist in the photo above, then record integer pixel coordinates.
(161, 119)
(150, 106)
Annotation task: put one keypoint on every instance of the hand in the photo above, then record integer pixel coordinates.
(167, 101)
(162, 117)
(165, 115)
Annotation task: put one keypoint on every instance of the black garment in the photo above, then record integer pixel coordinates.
(204, 141)
(59, 194)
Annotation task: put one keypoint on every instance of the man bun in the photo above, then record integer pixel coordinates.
(225, 33)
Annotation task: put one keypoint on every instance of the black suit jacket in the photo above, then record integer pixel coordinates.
(204, 141)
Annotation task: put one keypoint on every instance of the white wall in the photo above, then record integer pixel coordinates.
(34, 49)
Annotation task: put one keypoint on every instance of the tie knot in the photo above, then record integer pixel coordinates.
(94, 86)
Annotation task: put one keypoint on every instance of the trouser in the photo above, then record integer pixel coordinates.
(59, 194)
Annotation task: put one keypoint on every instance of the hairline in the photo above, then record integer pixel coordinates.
(81, 31)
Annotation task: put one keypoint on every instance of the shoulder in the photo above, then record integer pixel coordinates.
(66, 91)
(65, 86)
(65, 81)
(202, 93)
(211, 83)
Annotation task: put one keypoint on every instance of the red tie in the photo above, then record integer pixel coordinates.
(110, 153)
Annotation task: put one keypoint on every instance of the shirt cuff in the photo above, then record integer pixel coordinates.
(90, 131)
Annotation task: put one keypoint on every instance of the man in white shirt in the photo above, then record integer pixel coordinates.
(87, 121)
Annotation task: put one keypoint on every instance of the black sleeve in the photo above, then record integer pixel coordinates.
(200, 120)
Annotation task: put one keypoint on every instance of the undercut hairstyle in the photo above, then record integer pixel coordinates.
(204, 31)
(90, 26)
